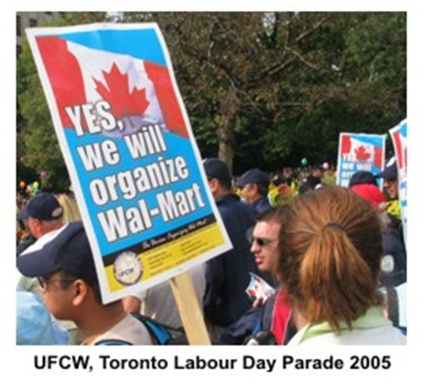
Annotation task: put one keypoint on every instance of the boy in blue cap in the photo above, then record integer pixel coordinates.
(65, 268)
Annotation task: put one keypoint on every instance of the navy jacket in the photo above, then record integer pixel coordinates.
(227, 275)
(261, 205)
(394, 261)
(24, 245)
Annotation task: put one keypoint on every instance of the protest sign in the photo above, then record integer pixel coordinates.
(359, 152)
(399, 139)
(130, 152)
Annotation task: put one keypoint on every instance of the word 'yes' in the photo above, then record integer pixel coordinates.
(96, 116)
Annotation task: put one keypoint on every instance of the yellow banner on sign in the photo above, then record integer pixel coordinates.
(171, 254)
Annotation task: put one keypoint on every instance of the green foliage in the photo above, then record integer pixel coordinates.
(260, 89)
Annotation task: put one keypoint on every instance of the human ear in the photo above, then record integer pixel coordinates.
(212, 183)
(80, 290)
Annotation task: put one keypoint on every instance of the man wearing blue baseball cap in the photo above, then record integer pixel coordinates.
(254, 186)
(390, 179)
(228, 274)
(65, 268)
(43, 214)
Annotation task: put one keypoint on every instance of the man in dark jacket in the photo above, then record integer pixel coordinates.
(228, 275)
(268, 314)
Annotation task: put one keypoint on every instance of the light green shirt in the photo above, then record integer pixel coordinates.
(373, 328)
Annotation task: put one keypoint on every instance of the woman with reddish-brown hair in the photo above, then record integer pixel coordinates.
(330, 264)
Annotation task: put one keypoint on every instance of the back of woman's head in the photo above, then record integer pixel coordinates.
(331, 248)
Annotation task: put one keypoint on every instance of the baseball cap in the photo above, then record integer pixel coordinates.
(216, 168)
(361, 177)
(254, 176)
(65, 249)
(389, 173)
(43, 206)
(372, 194)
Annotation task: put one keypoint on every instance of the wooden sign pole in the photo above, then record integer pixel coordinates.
(189, 309)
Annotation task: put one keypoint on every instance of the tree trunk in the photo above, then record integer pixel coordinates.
(225, 133)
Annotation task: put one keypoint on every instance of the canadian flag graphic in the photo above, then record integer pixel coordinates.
(139, 92)
(400, 144)
(362, 151)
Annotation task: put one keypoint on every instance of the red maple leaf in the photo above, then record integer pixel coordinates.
(123, 102)
(361, 153)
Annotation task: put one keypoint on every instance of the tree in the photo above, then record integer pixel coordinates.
(261, 89)
(266, 87)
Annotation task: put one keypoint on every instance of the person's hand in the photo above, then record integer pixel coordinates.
(258, 302)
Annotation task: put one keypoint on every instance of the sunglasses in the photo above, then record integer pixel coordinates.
(261, 242)
(44, 282)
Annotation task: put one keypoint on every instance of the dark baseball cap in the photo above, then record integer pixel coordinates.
(216, 168)
(362, 177)
(256, 176)
(44, 207)
(390, 173)
(65, 249)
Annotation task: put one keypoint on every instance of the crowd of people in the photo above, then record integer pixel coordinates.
(334, 258)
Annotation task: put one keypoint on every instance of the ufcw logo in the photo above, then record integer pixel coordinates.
(63, 362)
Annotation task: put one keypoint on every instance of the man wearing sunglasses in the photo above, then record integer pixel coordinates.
(65, 268)
(275, 311)
(273, 314)
(265, 242)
